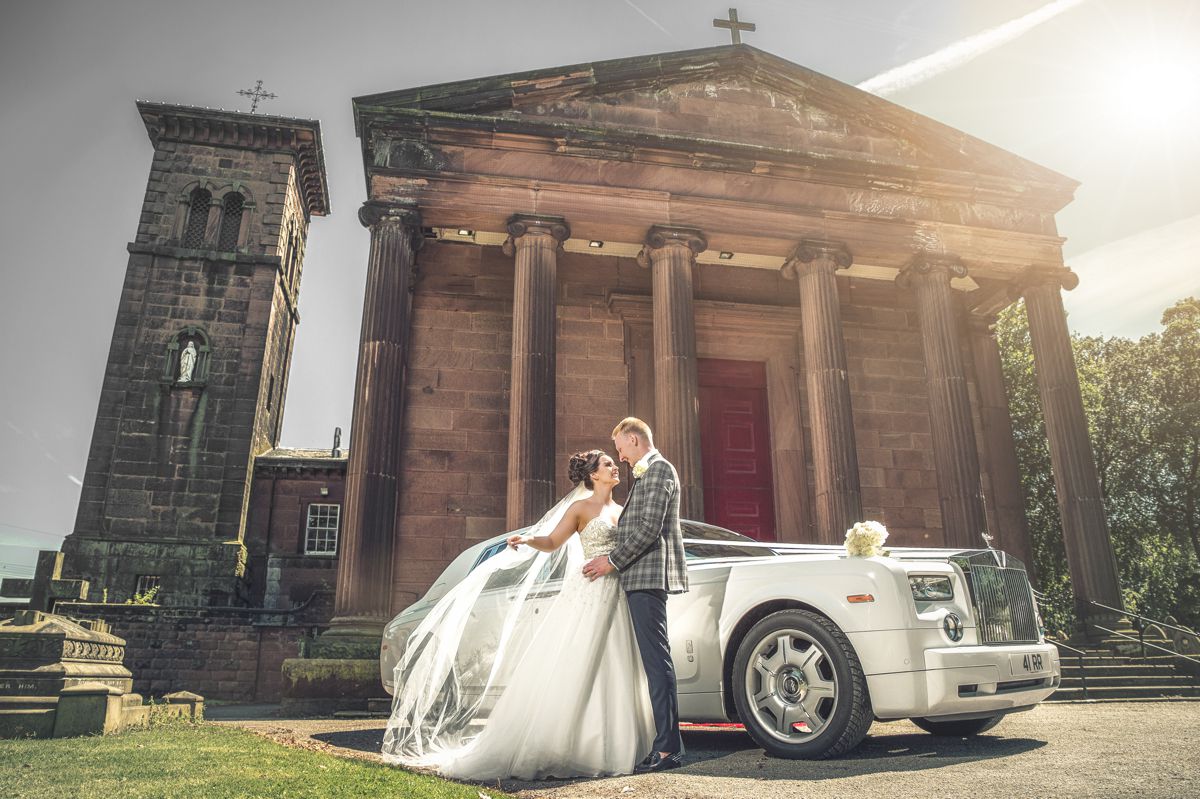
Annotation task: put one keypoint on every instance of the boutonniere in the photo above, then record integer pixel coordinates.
(639, 470)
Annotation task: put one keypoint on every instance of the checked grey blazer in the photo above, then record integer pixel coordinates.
(649, 550)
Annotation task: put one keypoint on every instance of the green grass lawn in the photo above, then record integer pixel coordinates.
(182, 759)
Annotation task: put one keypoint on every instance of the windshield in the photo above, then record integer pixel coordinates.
(703, 541)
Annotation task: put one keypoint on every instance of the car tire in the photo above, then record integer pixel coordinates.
(799, 687)
(958, 729)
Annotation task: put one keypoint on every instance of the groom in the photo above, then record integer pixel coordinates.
(649, 558)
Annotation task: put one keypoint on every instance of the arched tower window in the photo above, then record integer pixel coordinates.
(186, 361)
(231, 221)
(197, 219)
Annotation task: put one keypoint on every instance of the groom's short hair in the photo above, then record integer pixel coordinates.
(632, 424)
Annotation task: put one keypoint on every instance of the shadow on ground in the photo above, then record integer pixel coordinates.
(732, 753)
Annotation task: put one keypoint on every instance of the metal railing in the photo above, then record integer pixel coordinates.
(1140, 623)
(1140, 626)
(1080, 654)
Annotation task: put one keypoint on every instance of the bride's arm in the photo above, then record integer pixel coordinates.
(558, 536)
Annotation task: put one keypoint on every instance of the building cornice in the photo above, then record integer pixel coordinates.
(220, 128)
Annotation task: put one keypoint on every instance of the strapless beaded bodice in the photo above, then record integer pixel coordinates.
(598, 537)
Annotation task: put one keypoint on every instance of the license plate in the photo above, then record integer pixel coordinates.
(1030, 663)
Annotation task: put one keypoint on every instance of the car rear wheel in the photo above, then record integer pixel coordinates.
(958, 729)
(799, 688)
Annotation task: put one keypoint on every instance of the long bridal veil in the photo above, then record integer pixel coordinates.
(458, 660)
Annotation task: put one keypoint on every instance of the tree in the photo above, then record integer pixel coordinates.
(1176, 423)
(1141, 400)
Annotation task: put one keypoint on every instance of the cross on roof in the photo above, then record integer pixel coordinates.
(258, 94)
(735, 27)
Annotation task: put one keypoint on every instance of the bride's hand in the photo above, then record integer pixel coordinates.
(515, 541)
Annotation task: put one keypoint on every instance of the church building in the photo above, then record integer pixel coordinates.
(793, 281)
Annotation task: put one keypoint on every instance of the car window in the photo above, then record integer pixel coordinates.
(709, 541)
(492, 551)
(509, 577)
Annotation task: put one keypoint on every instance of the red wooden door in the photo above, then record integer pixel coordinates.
(735, 447)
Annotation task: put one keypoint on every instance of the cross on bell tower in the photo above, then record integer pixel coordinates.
(258, 94)
(735, 27)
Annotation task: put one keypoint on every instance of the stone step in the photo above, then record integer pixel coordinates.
(359, 714)
(1109, 657)
(379, 708)
(1095, 681)
(1123, 668)
(1125, 692)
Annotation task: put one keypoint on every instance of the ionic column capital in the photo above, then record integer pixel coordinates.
(817, 254)
(380, 216)
(931, 264)
(1060, 277)
(554, 228)
(374, 213)
(668, 237)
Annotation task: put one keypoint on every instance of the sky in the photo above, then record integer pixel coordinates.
(1104, 91)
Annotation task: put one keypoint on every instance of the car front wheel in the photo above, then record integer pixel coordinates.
(799, 688)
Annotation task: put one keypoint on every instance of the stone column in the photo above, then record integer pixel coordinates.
(670, 253)
(1085, 529)
(955, 453)
(1007, 498)
(835, 457)
(364, 578)
(533, 241)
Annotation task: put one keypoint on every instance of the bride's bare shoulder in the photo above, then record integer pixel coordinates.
(581, 511)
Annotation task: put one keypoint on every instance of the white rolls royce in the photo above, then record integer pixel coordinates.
(805, 646)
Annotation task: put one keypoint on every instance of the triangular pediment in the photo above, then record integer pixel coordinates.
(729, 95)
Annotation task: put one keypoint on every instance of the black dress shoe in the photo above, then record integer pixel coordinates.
(660, 763)
(648, 759)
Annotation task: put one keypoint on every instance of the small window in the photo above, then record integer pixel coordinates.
(197, 218)
(321, 532)
(231, 221)
(146, 583)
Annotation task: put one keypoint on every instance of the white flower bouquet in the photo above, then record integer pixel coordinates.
(865, 540)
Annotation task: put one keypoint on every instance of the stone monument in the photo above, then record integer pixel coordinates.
(59, 677)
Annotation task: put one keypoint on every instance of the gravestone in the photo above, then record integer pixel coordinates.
(61, 677)
(43, 655)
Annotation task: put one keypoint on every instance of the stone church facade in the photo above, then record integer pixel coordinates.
(793, 281)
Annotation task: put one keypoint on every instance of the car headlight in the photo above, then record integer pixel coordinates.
(953, 627)
(931, 588)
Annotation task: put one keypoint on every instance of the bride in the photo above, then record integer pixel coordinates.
(527, 669)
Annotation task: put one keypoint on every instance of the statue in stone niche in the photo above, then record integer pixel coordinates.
(187, 362)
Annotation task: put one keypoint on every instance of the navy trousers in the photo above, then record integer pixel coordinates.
(649, 612)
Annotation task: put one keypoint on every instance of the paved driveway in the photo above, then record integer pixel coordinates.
(1135, 749)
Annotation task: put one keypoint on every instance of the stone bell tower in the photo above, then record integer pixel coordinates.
(197, 370)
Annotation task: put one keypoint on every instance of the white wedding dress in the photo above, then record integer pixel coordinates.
(572, 700)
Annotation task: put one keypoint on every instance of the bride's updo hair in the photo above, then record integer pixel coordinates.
(583, 465)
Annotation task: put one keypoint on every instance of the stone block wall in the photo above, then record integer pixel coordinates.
(229, 654)
(279, 574)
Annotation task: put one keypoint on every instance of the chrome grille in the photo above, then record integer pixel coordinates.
(1003, 601)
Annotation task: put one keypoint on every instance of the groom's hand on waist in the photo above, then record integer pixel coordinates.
(598, 567)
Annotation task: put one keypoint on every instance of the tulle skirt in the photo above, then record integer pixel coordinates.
(575, 704)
